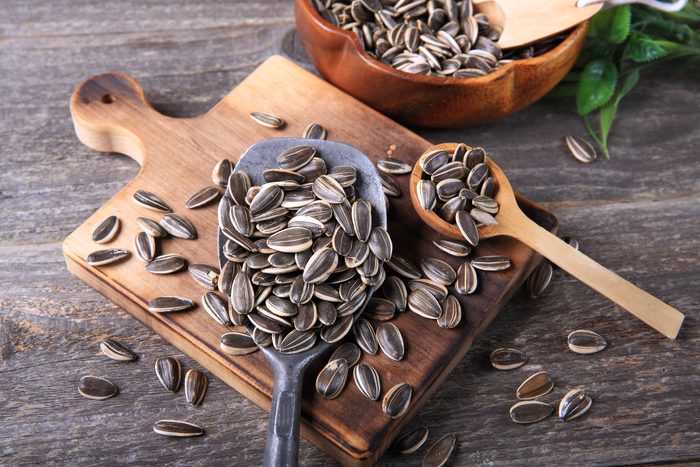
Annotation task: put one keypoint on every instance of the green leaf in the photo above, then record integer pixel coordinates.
(612, 24)
(609, 111)
(643, 49)
(597, 85)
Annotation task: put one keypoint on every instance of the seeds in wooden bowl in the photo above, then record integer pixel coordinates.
(105, 230)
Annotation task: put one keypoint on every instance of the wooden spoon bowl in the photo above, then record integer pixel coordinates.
(431, 101)
(512, 222)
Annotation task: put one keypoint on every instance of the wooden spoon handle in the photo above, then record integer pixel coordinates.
(660, 316)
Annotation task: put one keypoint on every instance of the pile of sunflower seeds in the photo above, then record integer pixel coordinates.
(431, 37)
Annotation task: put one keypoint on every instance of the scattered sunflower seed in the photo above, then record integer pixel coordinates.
(196, 384)
(166, 264)
(93, 387)
(145, 247)
(177, 429)
(331, 380)
(117, 351)
(440, 452)
(178, 226)
(151, 227)
(237, 343)
(167, 304)
(394, 167)
(491, 263)
(466, 281)
(390, 341)
(535, 386)
(367, 381)
(169, 373)
(216, 307)
(507, 359)
(581, 149)
(411, 441)
(203, 197)
(586, 342)
(205, 275)
(530, 411)
(349, 352)
(365, 336)
(315, 131)
(267, 119)
(574, 404)
(106, 230)
(539, 279)
(221, 172)
(451, 313)
(151, 201)
(452, 247)
(103, 257)
(397, 400)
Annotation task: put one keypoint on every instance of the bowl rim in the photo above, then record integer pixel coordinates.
(310, 11)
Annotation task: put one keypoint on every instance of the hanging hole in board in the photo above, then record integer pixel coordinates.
(108, 99)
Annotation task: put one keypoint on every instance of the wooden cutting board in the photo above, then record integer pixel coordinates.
(111, 114)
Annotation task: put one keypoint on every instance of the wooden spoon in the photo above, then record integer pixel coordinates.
(513, 223)
(524, 22)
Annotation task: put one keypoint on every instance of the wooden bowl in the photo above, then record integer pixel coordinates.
(431, 101)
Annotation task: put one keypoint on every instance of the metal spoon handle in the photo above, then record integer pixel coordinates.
(282, 446)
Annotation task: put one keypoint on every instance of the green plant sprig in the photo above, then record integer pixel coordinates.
(622, 42)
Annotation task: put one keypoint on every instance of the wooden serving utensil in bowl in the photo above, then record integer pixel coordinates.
(513, 223)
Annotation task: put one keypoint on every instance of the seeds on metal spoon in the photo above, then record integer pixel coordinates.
(586, 342)
(196, 384)
(328, 189)
(390, 341)
(574, 404)
(320, 266)
(315, 131)
(507, 359)
(530, 412)
(296, 157)
(396, 400)
(394, 167)
(466, 281)
(178, 226)
(96, 388)
(539, 279)
(491, 263)
(167, 304)
(410, 441)
(177, 429)
(361, 214)
(151, 227)
(103, 257)
(202, 197)
(290, 240)
(581, 149)
(145, 247)
(216, 307)
(467, 227)
(331, 380)
(267, 119)
(221, 172)
(105, 230)
(169, 372)
(151, 201)
(117, 351)
(297, 341)
(337, 330)
(367, 381)
(535, 386)
(349, 352)
(237, 343)
(440, 452)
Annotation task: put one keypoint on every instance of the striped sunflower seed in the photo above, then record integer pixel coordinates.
(491, 263)
(117, 351)
(448, 188)
(240, 219)
(346, 175)
(330, 382)
(449, 210)
(315, 131)
(390, 341)
(530, 412)
(390, 185)
(295, 157)
(343, 215)
(221, 172)
(433, 160)
(168, 304)
(268, 120)
(307, 317)
(265, 324)
(96, 388)
(483, 217)
(203, 197)
(403, 267)
(452, 247)
(451, 170)
(237, 343)
(283, 175)
(361, 215)
(145, 247)
(394, 167)
(535, 386)
(467, 227)
(365, 336)
(486, 204)
(440, 452)
(397, 400)
(435, 289)
(196, 384)
(320, 266)
(166, 264)
(169, 373)
(424, 304)
(326, 311)
(242, 294)
(466, 281)
(460, 153)
(438, 271)
(281, 306)
(150, 201)
(297, 341)
(178, 226)
(395, 291)
(581, 149)
(314, 169)
(379, 309)
(105, 230)
(216, 307)
(477, 175)
(300, 291)
(290, 240)
(411, 441)
(269, 197)
(103, 257)
(586, 342)
(326, 188)
(341, 242)
(151, 227)
(177, 429)
(507, 359)
(337, 330)
(238, 186)
(313, 225)
(574, 404)
(319, 210)
(205, 275)
(380, 243)
(349, 352)
(451, 313)
(539, 279)
(367, 381)
(474, 157)
(226, 276)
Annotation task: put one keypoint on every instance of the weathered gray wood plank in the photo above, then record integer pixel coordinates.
(636, 214)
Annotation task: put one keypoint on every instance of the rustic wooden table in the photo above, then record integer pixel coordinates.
(637, 213)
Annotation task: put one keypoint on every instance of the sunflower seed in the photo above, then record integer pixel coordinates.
(279, 175)
(313, 225)
(202, 197)
(216, 307)
(396, 400)
(320, 266)
(267, 119)
(169, 373)
(265, 324)
(395, 291)
(196, 384)
(106, 230)
(535, 386)
(337, 330)
(361, 214)
(331, 380)
(117, 351)
(341, 242)
(581, 149)
(170, 303)
(390, 341)
(297, 341)
(477, 175)
(467, 227)
(482, 217)
(393, 167)
(530, 412)
(307, 317)
(145, 247)
(315, 131)
(380, 244)
(448, 188)
(574, 404)
(178, 226)
(390, 185)
(261, 338)
(486, 204)
(440, 452)
(237, 343)
(269, 197)
(410, 441)
(326, 311)
(96, 388)
(328, 189)
(573, 243)
(221, 172)
(295, 157)
(466, 281)
(438, 271)
(379, 309)
(424, 304)
(151, 227)
(177, 429)
(314, 169)
(451, 170)
(452, 247)
(346, 175)
(352, 305)
(290, 240)
(433, 160)
(539, 279)
(403, 267)
(449, 210)
(166, 264)
(427, 194)
(343, 215)
(435, 289)
(150, 201)
(205, 275)
(281, 306)
(103, 257)
(451, 313)
(488, 188)
(238, 186)
(365, 336)
(240, 220)
(474, 157)
(226, 276)
(491, 263)
(586, 342)
(507, 359)
(367, 381)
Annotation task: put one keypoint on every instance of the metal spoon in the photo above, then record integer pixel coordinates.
(282, 446)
